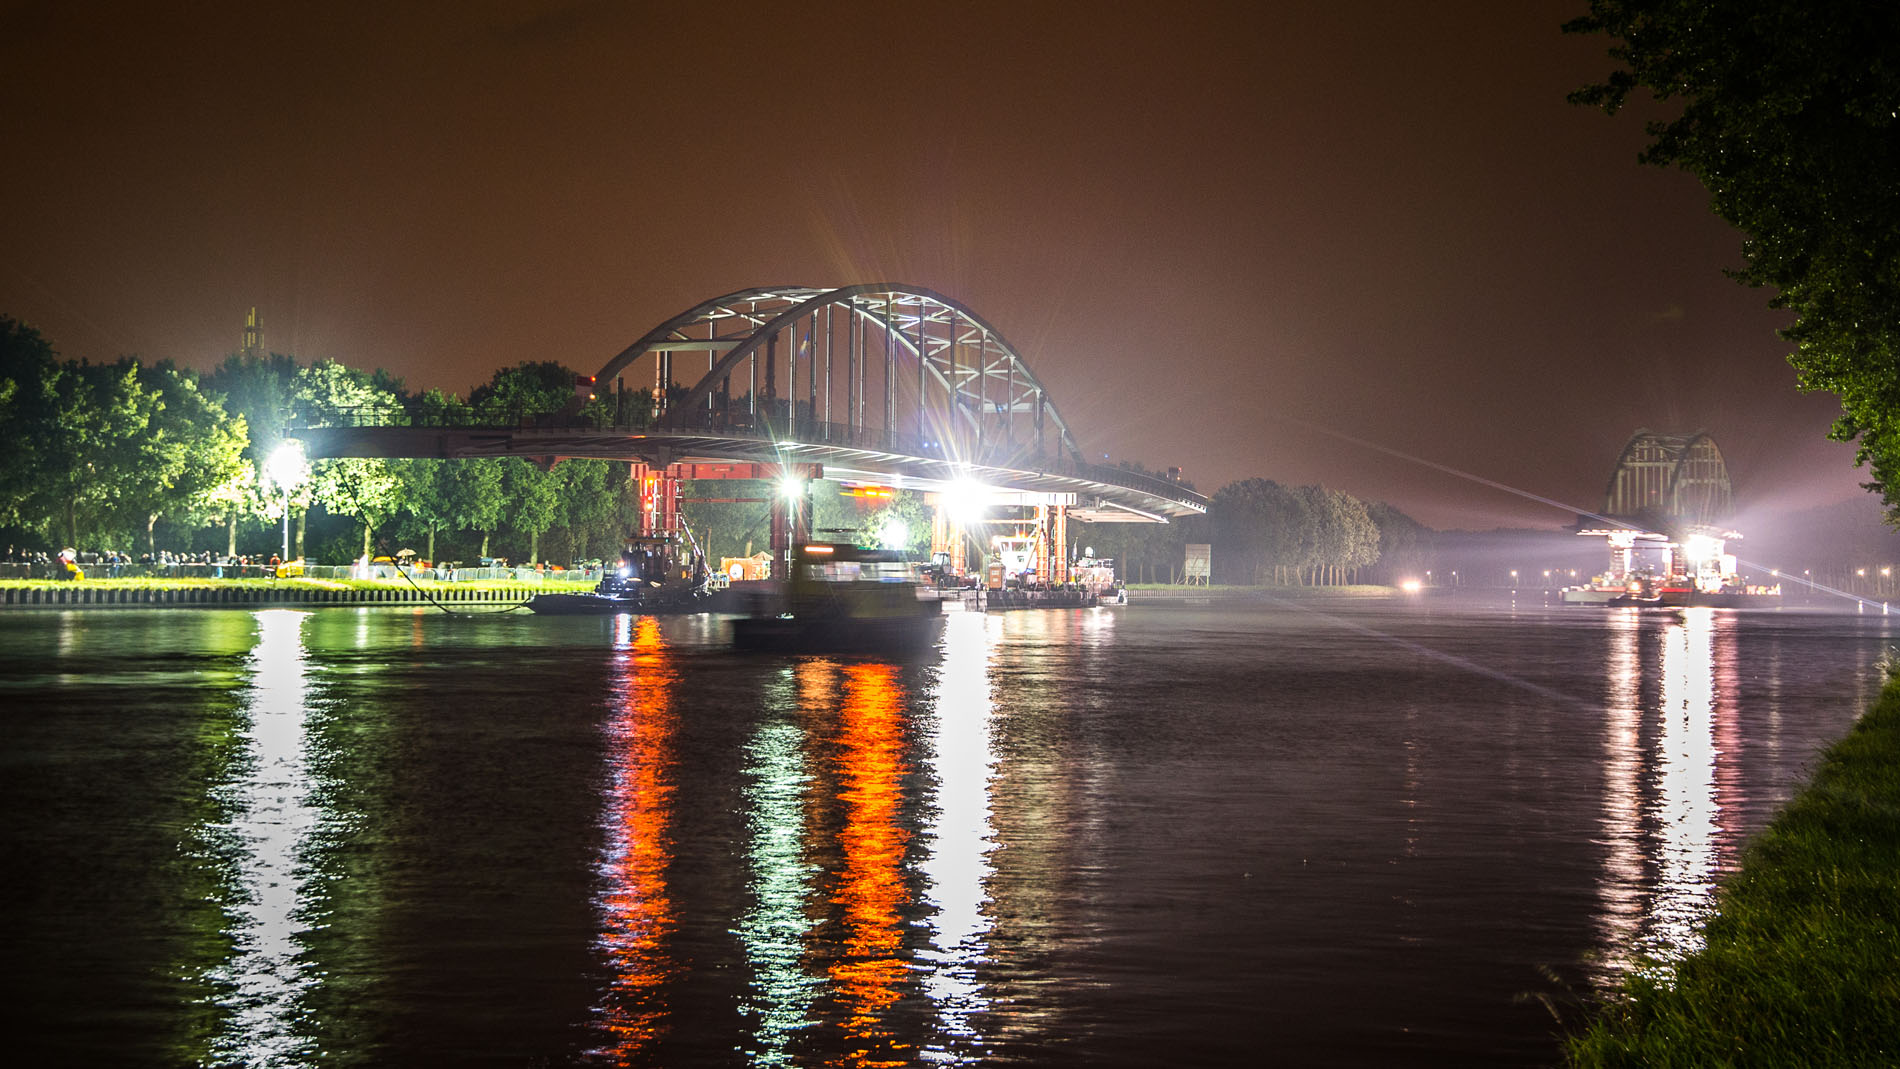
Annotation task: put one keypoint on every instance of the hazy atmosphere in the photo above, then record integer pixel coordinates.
(1228, 238)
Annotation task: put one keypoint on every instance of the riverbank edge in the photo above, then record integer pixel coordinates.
(1801, 964)
(85, 595)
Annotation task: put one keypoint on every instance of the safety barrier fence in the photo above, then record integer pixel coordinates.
(80, 595)
(212, 572)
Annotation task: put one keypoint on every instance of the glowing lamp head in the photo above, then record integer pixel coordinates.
(1701, 548)
(965, 499)
(895, 534)
(791, 487)
(286, 467)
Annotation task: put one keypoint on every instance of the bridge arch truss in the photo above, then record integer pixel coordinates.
(883, 365)
(1670, 480)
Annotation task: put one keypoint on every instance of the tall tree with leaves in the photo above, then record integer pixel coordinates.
(590, 504)
(367, 490)
(189, 457)
(474, 492)
(261, 391)
(99, 413)
(429, 490)
(29, 376)
(1790, 116)
(532, 500)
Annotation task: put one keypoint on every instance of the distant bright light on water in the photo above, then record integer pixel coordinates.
(962, 837)
(262, 982)
(1685, 786)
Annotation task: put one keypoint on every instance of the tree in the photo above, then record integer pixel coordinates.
(523, 392)
(1351, 539)
(1790, 117)
(29, 373)
(725, 526)
(428, 490)
(472, 490)
(368, 490)
(1404, 543)
(98, 413)
(531, 498)
(591, 505)
(1252, 522)
(907, 508)
(188, 460)
(260, 390)
(424, 489)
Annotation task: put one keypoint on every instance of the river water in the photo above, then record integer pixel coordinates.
(1367, 834)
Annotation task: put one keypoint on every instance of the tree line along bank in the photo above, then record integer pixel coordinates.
(137, 457)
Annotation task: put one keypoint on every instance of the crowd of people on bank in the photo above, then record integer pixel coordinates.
(24, 563)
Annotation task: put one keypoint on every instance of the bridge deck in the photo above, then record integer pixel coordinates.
(1103, 494)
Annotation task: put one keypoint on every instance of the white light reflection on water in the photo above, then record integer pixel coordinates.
(1686, 808)
(774, 932)
(262, 984)
(1622, 884)
(959, 842)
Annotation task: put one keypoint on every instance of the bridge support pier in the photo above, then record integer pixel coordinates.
(791, 513)
(948, 538)
(1052, 542)
(659, 499)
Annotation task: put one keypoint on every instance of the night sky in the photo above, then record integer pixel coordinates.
(1216, 232)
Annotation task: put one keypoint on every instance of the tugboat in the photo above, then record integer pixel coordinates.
(647, 579)
(848, 599)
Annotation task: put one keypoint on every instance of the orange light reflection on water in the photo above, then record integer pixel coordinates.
(637, 915)
(871, 887)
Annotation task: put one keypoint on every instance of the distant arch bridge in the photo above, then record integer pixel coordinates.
(880, 383)
(1666, 484)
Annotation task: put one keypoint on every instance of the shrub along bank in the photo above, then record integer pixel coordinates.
(1802, 962)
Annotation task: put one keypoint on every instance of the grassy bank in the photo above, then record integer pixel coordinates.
(1802, 963)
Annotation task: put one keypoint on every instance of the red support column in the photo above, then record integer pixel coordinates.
(791, 516)
(669, 502)
(647, 484)
(1058, 543)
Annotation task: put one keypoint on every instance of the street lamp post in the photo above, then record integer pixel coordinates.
(287, 468)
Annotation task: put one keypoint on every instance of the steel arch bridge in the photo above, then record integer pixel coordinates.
(1669, 481)
(931, 362)
(876, 384)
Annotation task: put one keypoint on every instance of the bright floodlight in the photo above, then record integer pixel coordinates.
(286, 467)
(964, 500)
(791, 486)
(1699, 548)
(895, 534)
